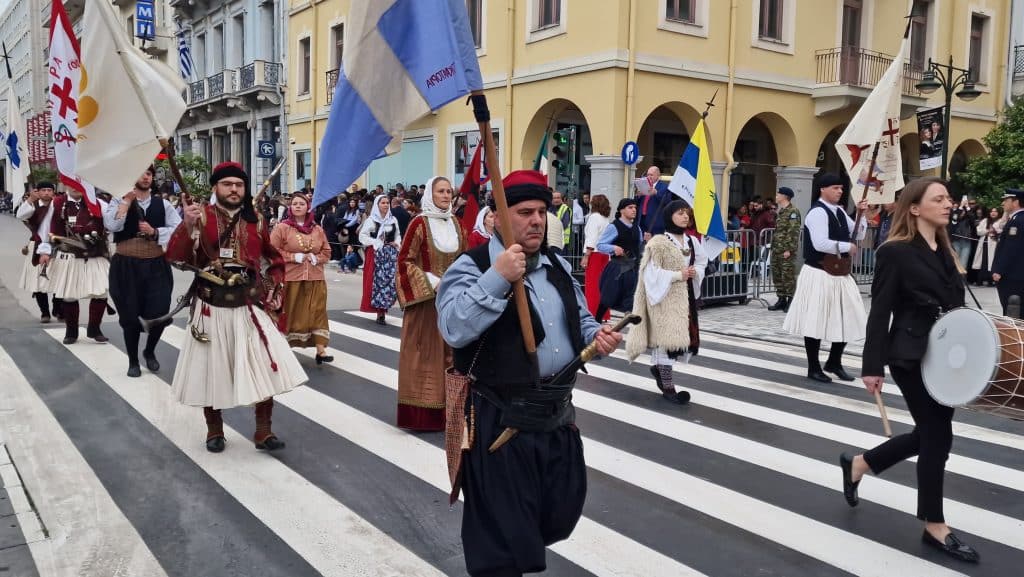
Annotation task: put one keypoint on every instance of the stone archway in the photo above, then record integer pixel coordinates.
(664, 136)
(910, 147)
(756, 158)
(958, 160)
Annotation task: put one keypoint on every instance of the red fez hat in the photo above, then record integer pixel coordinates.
(522, 185)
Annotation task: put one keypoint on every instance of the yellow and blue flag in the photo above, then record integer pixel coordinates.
(694, 183)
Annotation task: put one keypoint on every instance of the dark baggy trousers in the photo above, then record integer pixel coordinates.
(521, 498)
(930, 440)
(140, 287)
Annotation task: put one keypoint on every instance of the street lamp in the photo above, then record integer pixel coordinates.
(948, 78)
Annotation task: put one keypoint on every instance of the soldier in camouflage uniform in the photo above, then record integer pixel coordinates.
(785, 242)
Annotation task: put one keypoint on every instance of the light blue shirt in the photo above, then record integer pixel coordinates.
(469, 302)
(604, 244)
(171, 218)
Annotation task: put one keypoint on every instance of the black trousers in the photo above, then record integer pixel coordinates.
(521, 498)
(1007, 288)
(930, 440)
(140, 287)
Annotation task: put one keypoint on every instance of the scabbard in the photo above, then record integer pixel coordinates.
(503, 438)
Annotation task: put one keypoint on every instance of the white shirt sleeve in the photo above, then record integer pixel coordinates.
(25, 211)
(700, 264)
(110, 219)
(44, 232)
(171, 221)
(817, 223)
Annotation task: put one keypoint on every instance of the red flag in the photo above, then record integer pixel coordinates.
(470, 187)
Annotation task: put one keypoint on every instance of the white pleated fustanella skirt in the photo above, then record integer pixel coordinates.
(30, 279)
(826, 307)
(78, 278)
(237, 367)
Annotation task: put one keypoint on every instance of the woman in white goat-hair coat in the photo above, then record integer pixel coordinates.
(671, 273)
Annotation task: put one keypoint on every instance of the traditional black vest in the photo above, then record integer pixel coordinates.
(628, 239)
(838, 231)
(502, 360)
(155, 216)
(389, 236)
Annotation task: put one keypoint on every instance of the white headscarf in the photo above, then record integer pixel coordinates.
(430, 209)
(442, 225)
(382, 221)
(479, 227)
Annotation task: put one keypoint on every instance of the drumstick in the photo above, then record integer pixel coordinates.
(885, 417)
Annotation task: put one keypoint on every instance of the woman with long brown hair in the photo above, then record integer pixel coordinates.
(917, 278)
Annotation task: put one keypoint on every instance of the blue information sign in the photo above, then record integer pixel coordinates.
(630, 153)
(267, 149)
(144, 16)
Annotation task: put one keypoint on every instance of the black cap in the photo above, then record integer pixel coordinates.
(828, 179)
(787, 191)
(1014, 193)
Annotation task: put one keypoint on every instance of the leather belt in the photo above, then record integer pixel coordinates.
(540, 408)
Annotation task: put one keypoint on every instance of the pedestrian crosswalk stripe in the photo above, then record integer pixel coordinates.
(831, 545)
(592, 545)
(788, 391)
(299, 512)
(996, 527)
(79, 525)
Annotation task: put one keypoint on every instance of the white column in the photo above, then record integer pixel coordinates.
(606, 176)
(800, 179)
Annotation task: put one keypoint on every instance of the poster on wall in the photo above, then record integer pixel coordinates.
(932, 135)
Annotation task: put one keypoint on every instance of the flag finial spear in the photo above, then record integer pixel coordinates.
(710, 104)
(7, 61)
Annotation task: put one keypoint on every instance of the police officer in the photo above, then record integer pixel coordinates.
(1007, 270)
(786, 240)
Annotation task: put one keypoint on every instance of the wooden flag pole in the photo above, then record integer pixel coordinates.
(505, 220)
(853, 238)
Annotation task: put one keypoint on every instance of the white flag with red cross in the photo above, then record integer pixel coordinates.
(64, 75)
(877, 122)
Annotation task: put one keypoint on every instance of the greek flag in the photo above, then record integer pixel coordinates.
(403, 59)
(184, 54)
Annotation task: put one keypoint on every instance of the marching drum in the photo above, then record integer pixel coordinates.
(975, 360)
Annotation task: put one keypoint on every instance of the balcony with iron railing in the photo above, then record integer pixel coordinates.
(332, 83)
(844, 76)
(259, 74)
(1018, 62)
(197, 92)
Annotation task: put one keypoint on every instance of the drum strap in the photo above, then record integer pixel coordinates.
(963, 279)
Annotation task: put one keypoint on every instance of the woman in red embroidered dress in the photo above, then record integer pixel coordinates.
(431, 244)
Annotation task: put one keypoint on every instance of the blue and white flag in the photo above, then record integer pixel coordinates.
(185, 64)
(403, 59)
(15, 144)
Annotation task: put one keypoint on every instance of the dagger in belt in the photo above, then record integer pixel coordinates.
(567, 373)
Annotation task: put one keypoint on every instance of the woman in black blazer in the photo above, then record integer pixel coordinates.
(917, 278)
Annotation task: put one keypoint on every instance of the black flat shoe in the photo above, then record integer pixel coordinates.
(324, 359)
(679, 398)
(381, 321)
(70, 340)
(818, 376)
(953, 547)
(215, 444)
(134, 371)
(96, 335)
(849, 487)
(45, 319)
(840, 373)
(271, 443)
(151, 363)
(657, 376)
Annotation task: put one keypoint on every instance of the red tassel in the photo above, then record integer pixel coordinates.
(263, 337)
(206, 310)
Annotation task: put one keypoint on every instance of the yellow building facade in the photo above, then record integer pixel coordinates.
(786, 77)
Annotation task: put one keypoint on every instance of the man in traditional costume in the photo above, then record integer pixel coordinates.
(433, 242)
(529, 492)
(140, 277)
(827, 304)
(34, 278)
(235, 357)
(74, 250)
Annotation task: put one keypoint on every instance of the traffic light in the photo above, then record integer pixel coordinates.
(560, 152)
